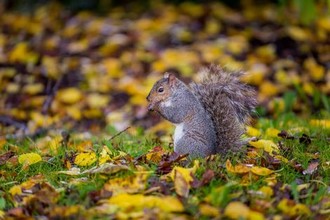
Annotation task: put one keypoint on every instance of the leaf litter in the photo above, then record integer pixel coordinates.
(84, 72)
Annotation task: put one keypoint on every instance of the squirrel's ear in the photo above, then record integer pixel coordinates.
(171, 78)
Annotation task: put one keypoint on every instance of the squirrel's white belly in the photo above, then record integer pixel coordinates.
(178, 133)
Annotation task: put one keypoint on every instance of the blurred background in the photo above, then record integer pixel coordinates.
(89, 65)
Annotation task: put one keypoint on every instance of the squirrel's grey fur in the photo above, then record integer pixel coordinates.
(209, 115)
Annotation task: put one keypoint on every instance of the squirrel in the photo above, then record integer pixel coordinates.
(210, 115)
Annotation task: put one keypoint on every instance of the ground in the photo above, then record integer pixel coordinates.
(77, 141)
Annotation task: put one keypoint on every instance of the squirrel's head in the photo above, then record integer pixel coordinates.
(161, 91)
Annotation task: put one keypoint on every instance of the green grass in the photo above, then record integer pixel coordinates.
(219, 192)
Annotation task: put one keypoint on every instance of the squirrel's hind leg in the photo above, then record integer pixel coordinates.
(192, 146)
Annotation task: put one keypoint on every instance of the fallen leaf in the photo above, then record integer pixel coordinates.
(272, 132)
(181, 185)
(320, 123)
(132, 184)
(155, 155)
(183, 178)
(312, 167)
(69, 95)
(285, 135)
(106, 168)
(166, 164)
(129, 202)
(238, 210)
(85, 159)
(252, 132)
(208, 210)
(29, 159)
(240, 168)
(261, 171)
(305, 139)
(4, 157)
(266, 145)
(72, 172)
(104, 155)
(290, 208)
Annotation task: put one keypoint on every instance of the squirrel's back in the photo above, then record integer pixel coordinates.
(229, 103)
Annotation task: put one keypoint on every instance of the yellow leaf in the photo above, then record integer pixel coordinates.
(155, 155)
(183, 178)
(13, 88)
(15, 190)
(21, 53)
(281, 158)
(320, 123)
(212, 27)
(69, 95)
(267, 53)
(113, 67)
(252, 132)
(74, 112)
(185, 172)
(33, 89)
(29, 158)
(316, 71)
(272, 132)
(237, 210)
(139, 202)
(290, 208)
(324, 23)
(66, 212)
(181, 185)
(40, 119)
(209, 210)
(96, 100)
(253, 215)
(85, 159)
(308, 88)
(298, 33)
(276, 105)
(283, 77)
(2, 214)
(131, 184)
(268, 89)
(261, 171)
(255, 76)
(51, 66)
(104, 156)
(266, 145)
(266, 191)
(240, 168)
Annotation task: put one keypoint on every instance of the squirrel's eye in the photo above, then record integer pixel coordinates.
(160, 89)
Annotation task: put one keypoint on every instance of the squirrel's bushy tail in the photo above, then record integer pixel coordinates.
(228, 101)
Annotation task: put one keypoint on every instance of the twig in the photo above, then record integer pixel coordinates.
(50, 98)
(119, 133)
(10, 121)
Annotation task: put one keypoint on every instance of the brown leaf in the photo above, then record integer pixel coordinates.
(4, 157)
(206, 178)
(305, 139)
(285, 135)
(166, 164)
(312, 167)
(18, 212)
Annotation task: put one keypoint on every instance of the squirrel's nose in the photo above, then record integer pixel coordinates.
(150, 107)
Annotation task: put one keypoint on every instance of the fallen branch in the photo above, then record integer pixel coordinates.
(119, 133)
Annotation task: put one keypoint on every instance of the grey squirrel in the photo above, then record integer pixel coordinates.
(209, 116)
